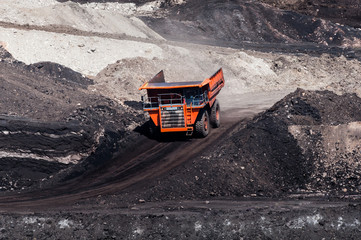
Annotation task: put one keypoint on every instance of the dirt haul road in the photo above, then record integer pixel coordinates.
(146, 159)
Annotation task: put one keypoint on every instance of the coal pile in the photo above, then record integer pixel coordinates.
(49, 117)
(24, 173)
(341, 11)
(61, 73)
(57, 142)
(309, 141)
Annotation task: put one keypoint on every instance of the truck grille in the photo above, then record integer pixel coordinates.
(172, 117)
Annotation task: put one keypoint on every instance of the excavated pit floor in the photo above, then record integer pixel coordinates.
(284, 172)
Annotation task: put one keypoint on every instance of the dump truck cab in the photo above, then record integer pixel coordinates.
(183, 106)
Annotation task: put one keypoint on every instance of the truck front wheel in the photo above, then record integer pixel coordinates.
(202, 124)
(215, 112)
(153, 130)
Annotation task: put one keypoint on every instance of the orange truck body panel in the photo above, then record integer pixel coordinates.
(174, 106)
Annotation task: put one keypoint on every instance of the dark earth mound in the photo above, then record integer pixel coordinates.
(47, 114)
(294, 147)
(44, 139)
(22, 173)
(60, 73)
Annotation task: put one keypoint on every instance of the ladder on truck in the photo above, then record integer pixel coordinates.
(189, 121)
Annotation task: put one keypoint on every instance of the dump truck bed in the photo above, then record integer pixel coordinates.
(170, 85)
(158, 82)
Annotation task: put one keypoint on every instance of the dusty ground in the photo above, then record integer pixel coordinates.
(75, 162)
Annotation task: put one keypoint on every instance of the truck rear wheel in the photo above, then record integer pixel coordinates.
(202, 124)
(215, 115)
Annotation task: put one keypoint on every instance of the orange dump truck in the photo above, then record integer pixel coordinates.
(189, 107)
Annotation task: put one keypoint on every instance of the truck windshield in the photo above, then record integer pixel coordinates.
(193, 96)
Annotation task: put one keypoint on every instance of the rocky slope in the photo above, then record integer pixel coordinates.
(231, 23)
(341, 11)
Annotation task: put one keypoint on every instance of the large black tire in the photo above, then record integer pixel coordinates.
(215, 115)
(202, 124)
(153, 130)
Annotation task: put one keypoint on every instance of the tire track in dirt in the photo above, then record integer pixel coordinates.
(74, 31)
(149, 160)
